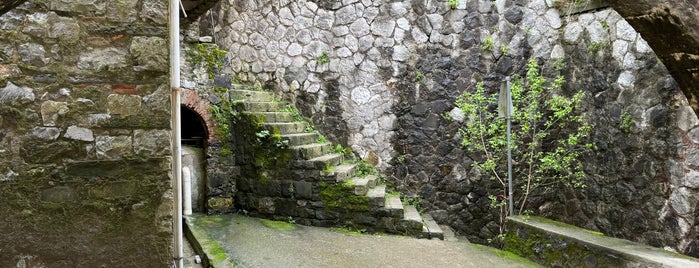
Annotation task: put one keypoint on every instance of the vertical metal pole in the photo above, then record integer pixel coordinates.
(509, 148)
(176, 129)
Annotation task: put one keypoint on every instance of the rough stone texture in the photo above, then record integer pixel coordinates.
(393, 70)
(670, 28)
(84, 135)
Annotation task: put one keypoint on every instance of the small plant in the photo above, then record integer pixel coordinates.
(339, 149)
(627, 123)
(208, 55)
(488, 44)
(309, 129)
(294, 113)
(414, 200)
(262, 134)
(527, 31)
(323, 58)
(364, 169)
(605, 25)
(594, 47)
(453, 4)
(400, 159)
(322, 139)
(419, 75)
(503, 50)
(329, 168)
(559, 64)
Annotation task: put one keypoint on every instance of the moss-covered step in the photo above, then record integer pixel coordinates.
(556, 244)
(285, 128)
(273, 117)
(342, 172)
(310, 151)
(263, 106)
(324, 163)
(250, 95)
(296, 139)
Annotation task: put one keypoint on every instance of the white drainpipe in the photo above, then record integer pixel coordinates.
(176, 128)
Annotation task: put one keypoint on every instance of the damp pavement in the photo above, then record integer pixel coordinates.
(240, 241)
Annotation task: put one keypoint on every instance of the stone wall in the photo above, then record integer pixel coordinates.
(383, 76)
(85, 135)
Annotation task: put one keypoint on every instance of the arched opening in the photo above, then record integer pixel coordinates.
(194, 130)
(195, 135)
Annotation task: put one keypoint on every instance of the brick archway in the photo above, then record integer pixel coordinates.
(200, 106)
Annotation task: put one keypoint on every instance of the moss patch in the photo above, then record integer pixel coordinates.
(341, 197)
(278, 225)
(505, 254)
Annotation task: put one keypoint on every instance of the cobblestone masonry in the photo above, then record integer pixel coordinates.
(380, 75)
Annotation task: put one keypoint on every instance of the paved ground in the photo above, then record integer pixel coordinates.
(249, 242)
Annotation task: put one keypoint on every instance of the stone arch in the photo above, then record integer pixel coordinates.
(671, 29)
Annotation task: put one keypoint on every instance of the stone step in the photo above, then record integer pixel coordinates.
(430, 228)
(377, 196)
(394, 206)
(412, 221)
(273, 117)
(343, 172)
(286, 128)
(309, 151)
(250, 95)
(263, 106)
(360, 185)
(371, 180)
(296, 139)
(318, 163)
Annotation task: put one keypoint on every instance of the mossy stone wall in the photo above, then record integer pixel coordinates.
(85, 135)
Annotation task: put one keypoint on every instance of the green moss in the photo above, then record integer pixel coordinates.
(341, 197)
(564, 225)
(278, 225)
(217, 252)
(208, 55)
(505, 254)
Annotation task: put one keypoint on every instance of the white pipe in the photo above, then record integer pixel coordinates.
(187, 191)
(176, 129)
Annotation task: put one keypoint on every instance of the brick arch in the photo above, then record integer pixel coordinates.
(193, 101)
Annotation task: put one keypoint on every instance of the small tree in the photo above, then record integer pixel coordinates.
(547, 137)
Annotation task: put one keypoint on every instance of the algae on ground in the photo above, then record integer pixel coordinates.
(278, 225)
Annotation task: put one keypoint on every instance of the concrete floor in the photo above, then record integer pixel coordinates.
(249, 243)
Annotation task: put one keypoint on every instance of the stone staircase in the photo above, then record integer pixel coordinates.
(312, 184)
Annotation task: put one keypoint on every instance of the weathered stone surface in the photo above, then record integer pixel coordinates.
(46, 133)
(79, 133)
(109, 59)
(113, 147)
(152, 11)
(14, 95)
(80, 6)
(150, 53)
(151, 142)
(124, 105)
(52, 110)
(34, 54)
(59, 194)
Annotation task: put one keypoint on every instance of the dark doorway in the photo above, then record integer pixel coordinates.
(194, 131)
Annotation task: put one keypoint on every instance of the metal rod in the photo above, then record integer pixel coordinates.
(508, 116)
(176, 128)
